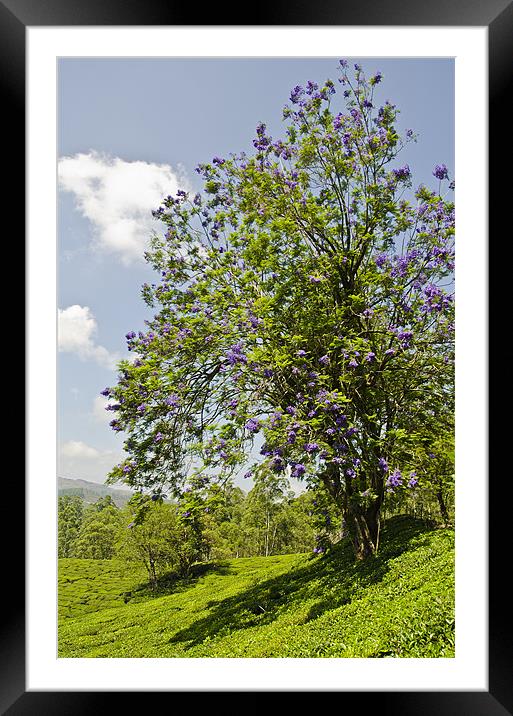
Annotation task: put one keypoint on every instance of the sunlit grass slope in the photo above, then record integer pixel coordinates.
(398, 604)
(88, 585)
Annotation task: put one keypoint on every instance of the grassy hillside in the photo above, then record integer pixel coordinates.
(399, 604)
(88, 585)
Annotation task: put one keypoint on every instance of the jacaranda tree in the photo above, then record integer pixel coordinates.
(301, 303)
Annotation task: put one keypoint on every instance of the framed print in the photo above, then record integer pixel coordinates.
(78, 77)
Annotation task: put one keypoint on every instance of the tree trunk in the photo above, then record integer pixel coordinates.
(443, 507)
(153, 575)
(364, 527)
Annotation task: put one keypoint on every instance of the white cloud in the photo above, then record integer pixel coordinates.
(118, 197)
(78, 460)
(76, 449)
(77, 329)
(100, 412)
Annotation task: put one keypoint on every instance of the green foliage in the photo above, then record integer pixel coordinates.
(89, 585)
(99, 530)
(160, 539)
(70, 512)
(399, 603)
(302, 297)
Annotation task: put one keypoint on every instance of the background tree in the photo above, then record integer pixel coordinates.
(301, 300)
(99, 530)
(223, 525)
(264, 520)
(70, 513)
(152, 540)
(164, 537)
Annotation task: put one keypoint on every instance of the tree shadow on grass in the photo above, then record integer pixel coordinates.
(173, 583)
(336, 576)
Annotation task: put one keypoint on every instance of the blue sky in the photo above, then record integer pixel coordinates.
(132, 130)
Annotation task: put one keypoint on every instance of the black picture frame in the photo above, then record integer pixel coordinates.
(497, 16)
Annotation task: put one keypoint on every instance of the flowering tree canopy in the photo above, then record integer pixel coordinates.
(301, 302)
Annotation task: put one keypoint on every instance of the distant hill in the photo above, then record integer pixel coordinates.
(90, 492)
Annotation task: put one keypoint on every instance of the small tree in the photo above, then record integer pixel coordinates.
(302, 301)
(152, 541)
(263, 511)
(70, 516)
(99, 530)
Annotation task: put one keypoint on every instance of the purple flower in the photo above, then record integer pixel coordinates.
(236, 355)
(405, 337)
(402, 172)
(441, 172)
(324, 360)
(277, 464)
(370, 357)
(141, 408)
(353, 364)
(158, 437)
(395, 479)
(253, 425)
(298, 470)
(338, 121)
(275, 417)
(383, 464)
(315, 279)
(105, 392)
(311, 447)
(301, 353)
(381, 260)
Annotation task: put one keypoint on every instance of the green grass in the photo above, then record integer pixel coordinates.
(88, 585)
(398, 604)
